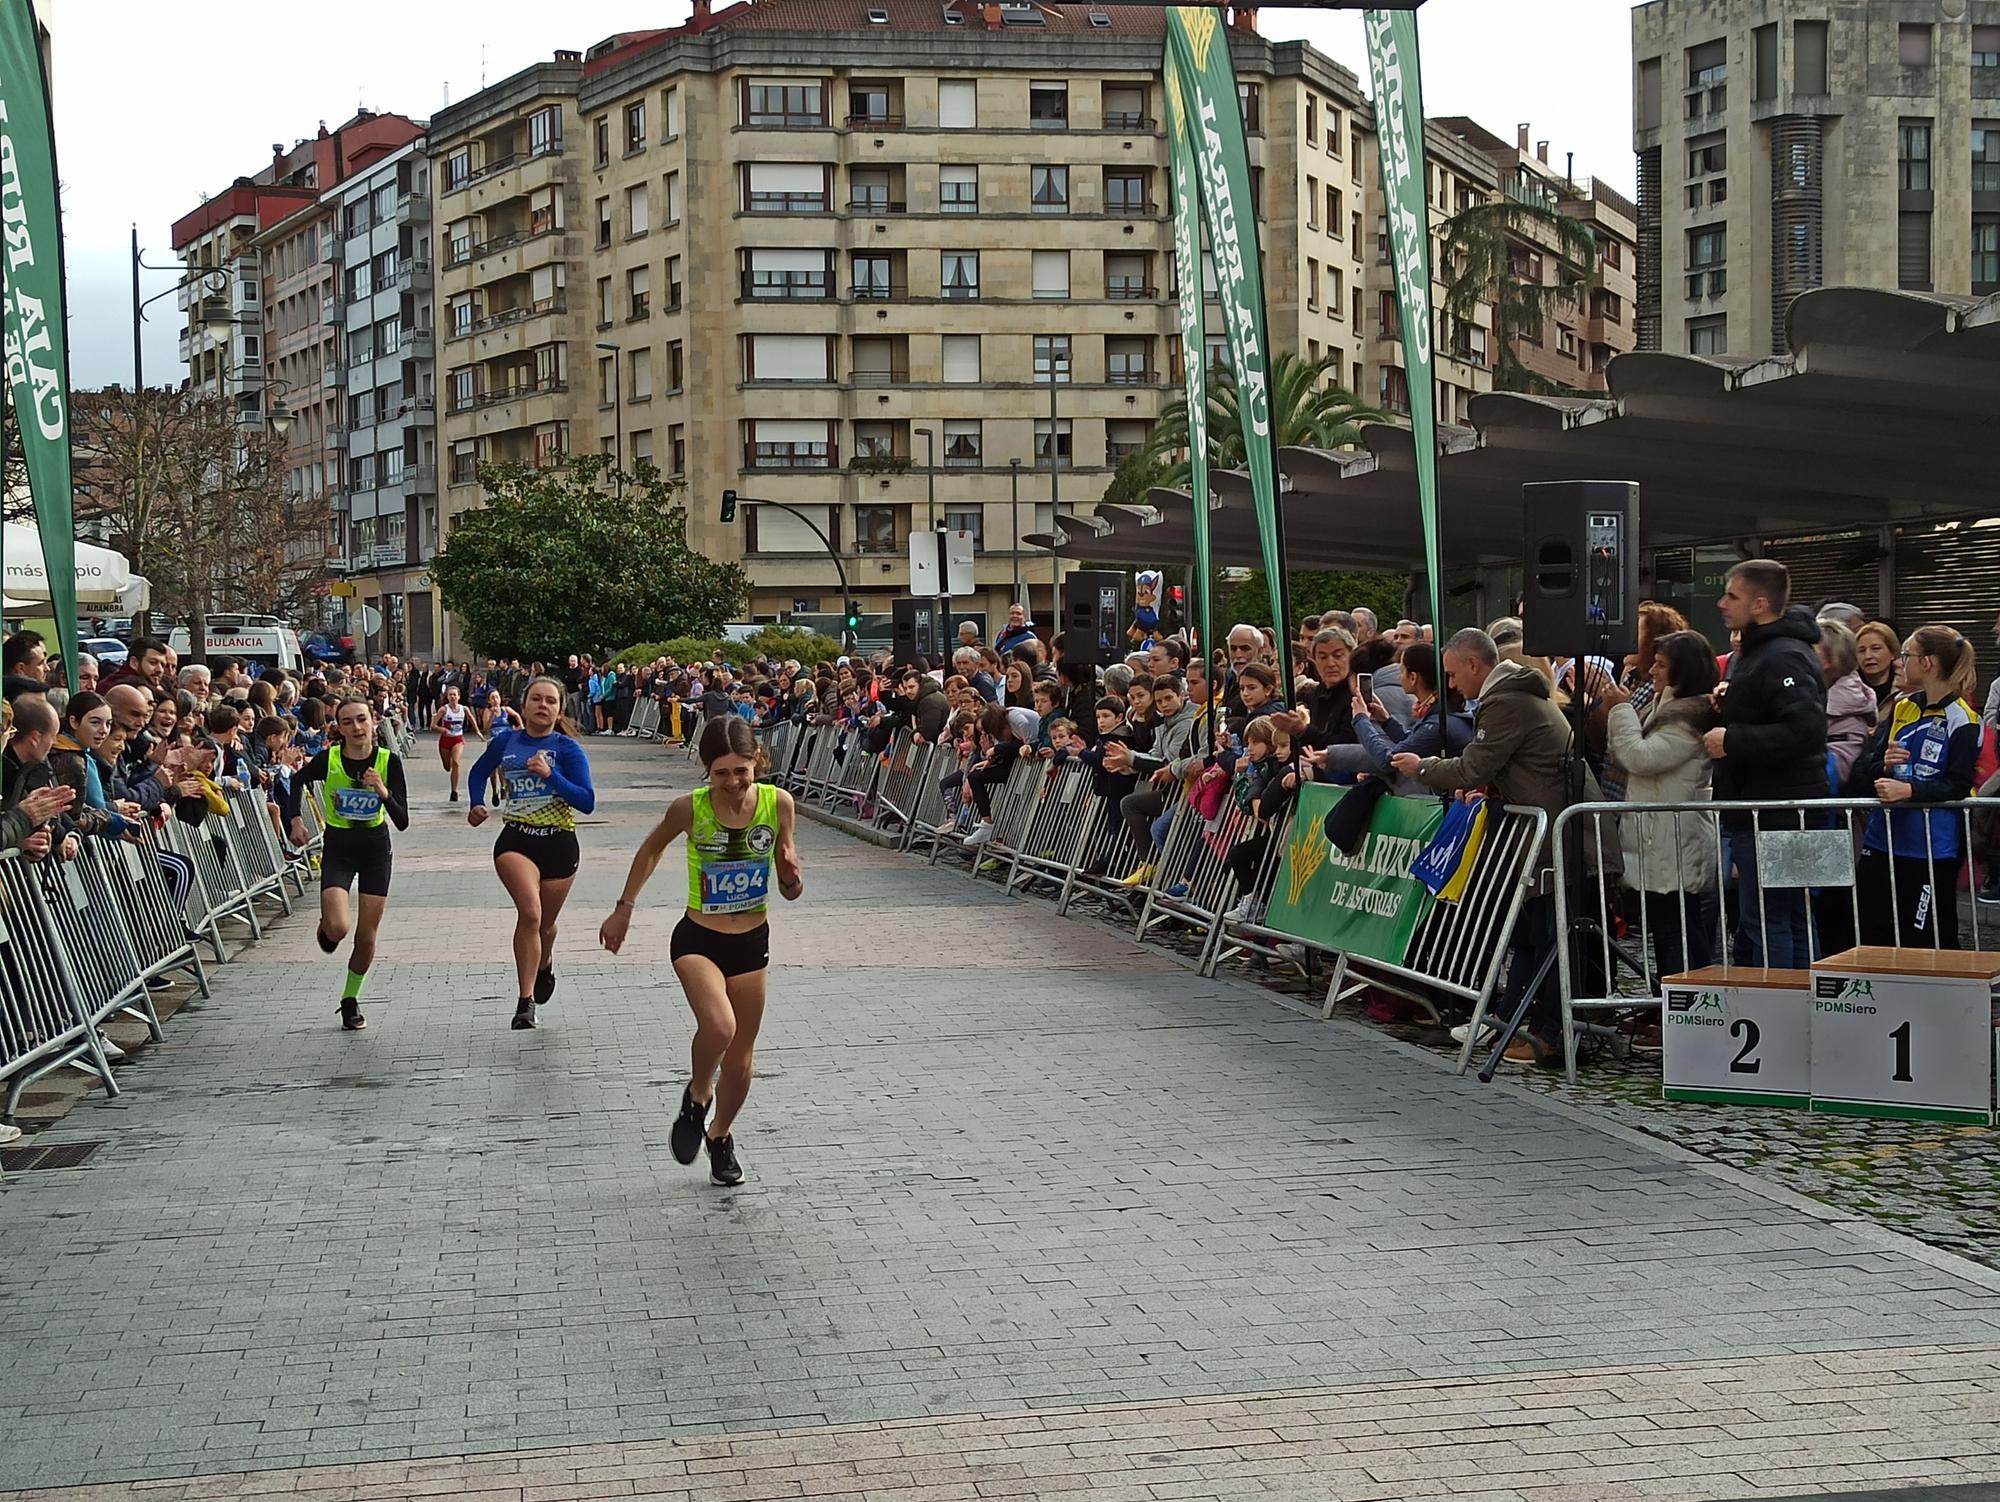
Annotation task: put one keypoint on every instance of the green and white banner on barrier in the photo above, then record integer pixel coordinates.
(1399, 129)
(1366, 904)
(1207, 120)
(1185, 184)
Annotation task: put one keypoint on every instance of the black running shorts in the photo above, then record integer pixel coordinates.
(554, 851)
(351, 855)
(732, 954)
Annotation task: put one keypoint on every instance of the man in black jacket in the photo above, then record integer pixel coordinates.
(1769, 748)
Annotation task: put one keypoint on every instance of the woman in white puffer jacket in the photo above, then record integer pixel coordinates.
(1670, 859)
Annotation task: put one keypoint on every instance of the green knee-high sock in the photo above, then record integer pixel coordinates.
(352, 990)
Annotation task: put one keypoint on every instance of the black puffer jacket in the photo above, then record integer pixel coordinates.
(1774, 713)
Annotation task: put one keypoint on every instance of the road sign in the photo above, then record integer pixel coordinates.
(959, 555)
(371, 620)
(341, 587)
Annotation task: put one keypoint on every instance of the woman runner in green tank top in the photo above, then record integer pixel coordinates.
(740, 843)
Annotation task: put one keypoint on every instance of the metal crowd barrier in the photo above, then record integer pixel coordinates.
(44, 1025)
(645, 720)
(1810, 848)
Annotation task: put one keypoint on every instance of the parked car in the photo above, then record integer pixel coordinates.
(109, 651)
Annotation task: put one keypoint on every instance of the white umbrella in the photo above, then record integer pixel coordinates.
(100, 573)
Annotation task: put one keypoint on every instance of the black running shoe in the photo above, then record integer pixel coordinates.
(545, 985)
(351, 1019)
(689, 1128)
(723, 1168)
(524, 1013)
(454, 795)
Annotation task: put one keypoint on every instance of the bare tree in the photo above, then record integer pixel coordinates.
(198, 504)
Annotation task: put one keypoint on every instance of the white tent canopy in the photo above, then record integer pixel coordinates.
(102, 576)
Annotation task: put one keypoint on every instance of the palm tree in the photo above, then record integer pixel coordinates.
(1479, 244)
(1304, 413)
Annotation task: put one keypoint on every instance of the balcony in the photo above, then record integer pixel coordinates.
(880, 292)
(332, 311)
(1131, 375)
(1132, 208)
(420, 344)
(482, 399)
(870, 203)
(421, 407)
(874, 121)
(331, 250)
(1129, 120)
(332, 376)
(336, 437)
(881, 375)
(786, 286)
(790, 456)
(420, 479)
(1113, 451)
(414, 276)
(413, 208)
(508, 317)
(1130, 289)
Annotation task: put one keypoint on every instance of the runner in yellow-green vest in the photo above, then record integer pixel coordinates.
(740, 844)
(361, 792)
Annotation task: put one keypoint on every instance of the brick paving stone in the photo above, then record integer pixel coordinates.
(1030, 1210)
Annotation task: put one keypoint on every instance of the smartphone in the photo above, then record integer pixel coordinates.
(1366, 684)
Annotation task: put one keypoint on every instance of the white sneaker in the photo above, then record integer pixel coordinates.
(1488, 1031)
(1247, 910)
(112, 1052)
(1293, 952)
(9, 1132)
(982, 835)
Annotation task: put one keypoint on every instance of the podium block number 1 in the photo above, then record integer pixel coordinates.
(1913, 1046)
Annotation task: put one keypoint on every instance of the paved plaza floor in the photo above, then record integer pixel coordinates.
(1029, 1212)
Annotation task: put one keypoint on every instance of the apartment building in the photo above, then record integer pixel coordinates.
(383, 383)
(927, 272)
(1577, 340)
(1875, 125)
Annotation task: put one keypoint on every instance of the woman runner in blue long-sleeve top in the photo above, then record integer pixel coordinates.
(545, 779)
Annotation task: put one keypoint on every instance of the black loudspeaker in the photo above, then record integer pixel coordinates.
(1580, 566)
(914, 628)
(1093, 618)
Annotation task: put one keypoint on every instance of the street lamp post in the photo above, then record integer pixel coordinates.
(1014, 510)
(929, 436)
(617, 417)
(1058, 362)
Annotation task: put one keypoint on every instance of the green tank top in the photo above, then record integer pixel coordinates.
(347, 803)
(729, 870)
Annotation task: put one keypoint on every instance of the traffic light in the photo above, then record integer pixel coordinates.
(728, 507)
(853, 615)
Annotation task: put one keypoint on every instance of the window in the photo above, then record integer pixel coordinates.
(1765, 42)
(642, 446)
(1388, 321)
(603, 222)
(1395, 389)
(958, 275)
(670, 113)
(607, 379)
(784, 187)
(1250, 97)
(961, 445)
(464, 463)
(1985, 254)
(600, 140)
(1312, 119)
(462, 310)
(1913, 156)
(1986, 156)
(1052, 361)
(640, 387)
(635, 127)
(673, 303)
(1312, 284)
(875, 528)
(868, 191)
(785, 104)
(1052, 446)
(958, 190)
(359, 283)
(961, 359)
(1049, 189)
(1913, 250)
(790, 444)
(1048, 106)
(1125, 193)
(388, 338)
(1336, 294)
(1128, 361)
(1706, 154)
(360, 346)
(676, 370)
(458, 168)
(1565, 341)
(1708, 336)
(1985, 47)
(783, 274)
(671, 184)
(1051, 269)
(880, 440)
(604, 302)
(958, 103)
(1913, 44)
(677, 449)
(969, 521)
(1707, 247)
(1125, 106)
(1708, 74)
(638, 293)
(787, 357)
(869, 104)
(464, 389)
(868, 277)
(637, 220)
(1808, 57)
(766, 529)
(1125, 277)
(879, 361)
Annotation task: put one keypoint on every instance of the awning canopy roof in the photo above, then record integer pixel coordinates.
(1886, 410)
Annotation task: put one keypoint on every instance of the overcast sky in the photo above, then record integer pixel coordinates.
(157, 105)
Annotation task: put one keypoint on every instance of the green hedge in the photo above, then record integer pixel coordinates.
(779, 642)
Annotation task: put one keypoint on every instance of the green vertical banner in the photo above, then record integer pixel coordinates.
(1399, 128)
(1201, 90)
(36, 340)
(1186, 189)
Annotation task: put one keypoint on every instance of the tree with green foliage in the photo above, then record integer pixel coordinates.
(571, 560)
(1479, 244)
(1314, 592)
(1136, 474)
(1307, 410)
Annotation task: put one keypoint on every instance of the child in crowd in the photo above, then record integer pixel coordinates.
(1265, 783)
(1113, 728)
(1063, 741)
(1004, 744)
(1139, 712)
(1048, 709)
